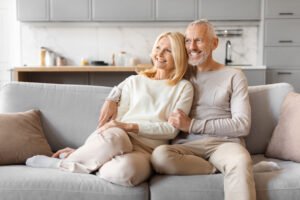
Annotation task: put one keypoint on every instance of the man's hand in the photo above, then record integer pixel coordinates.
(108, 112)
(180, 120)
(66, 151)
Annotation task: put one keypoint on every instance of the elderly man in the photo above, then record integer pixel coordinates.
(211, 137)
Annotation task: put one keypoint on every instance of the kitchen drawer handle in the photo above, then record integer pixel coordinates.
(284, 73)
(286, 13)
(285, 41)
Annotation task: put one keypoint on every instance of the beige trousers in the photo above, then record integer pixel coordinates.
(201, 156)
(118, 158)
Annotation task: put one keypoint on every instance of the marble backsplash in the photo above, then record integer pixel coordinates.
(77, 41)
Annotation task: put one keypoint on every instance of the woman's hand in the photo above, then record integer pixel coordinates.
(66, 151)
(108, 112)
(180, 120)
(128, 127)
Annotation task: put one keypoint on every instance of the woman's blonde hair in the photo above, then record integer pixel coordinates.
(179, 55)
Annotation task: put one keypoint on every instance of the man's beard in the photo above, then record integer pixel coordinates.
(199, 61)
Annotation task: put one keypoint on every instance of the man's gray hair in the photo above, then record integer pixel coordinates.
(210, 27)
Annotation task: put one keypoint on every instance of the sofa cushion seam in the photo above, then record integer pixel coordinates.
(35, 189)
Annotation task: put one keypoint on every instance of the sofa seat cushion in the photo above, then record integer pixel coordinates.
(280, 184)
(195, 187)
(26, 183)
(275, 185)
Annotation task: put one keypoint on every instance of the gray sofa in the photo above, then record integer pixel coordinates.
(70, 114)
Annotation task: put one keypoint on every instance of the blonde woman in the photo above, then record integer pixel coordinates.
(120, 150)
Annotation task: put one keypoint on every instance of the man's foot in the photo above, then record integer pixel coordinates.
(266, 166)
(41, 161)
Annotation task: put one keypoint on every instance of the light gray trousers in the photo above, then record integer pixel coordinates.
(203, 156)
(114, 154)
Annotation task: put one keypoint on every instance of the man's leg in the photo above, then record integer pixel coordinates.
(181, 160)
(234, 161)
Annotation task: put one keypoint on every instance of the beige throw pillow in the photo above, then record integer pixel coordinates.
(285, 141)
(21, 136)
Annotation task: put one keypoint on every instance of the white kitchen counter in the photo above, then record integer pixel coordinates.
(262, 67)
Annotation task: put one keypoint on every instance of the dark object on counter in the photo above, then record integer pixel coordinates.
(99, 63)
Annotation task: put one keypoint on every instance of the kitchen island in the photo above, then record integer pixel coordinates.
(83, 75)
(105, 75)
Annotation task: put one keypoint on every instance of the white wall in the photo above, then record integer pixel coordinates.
(99, 42)
(9, 38)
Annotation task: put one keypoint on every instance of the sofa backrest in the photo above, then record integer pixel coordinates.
(265, 101)
(69, 112)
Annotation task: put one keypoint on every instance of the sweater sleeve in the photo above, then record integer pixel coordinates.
(116, 92)
(164, 130)
(239, 123)
(124, 97)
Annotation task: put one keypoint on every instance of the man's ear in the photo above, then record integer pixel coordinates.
(215, 43)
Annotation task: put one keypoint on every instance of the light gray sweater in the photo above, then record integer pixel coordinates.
(221, 105)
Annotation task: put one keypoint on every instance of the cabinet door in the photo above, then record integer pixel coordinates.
(282, 9)
(282, 32)
(230, 9)
(278, 57)
(176, 10)
(284, 75)
(33, 10)
(123, 10)
(255, 76)
(70, 10)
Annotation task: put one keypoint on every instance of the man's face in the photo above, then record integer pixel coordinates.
(198, 43)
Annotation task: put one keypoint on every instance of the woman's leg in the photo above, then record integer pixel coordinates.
(128, 170)
(98, 149)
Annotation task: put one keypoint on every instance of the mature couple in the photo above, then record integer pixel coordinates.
(146, 111)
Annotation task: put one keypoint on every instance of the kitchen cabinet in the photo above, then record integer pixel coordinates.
(137, 10)
(124, 10)
(176, 10)
(33, 10)
(282, 57)
(282, 9)
(284, 75)
(281, 32)
(70, 10)
(282, 42)
(255, 76)
(230, 9)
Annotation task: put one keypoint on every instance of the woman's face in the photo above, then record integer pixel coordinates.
(162, 55)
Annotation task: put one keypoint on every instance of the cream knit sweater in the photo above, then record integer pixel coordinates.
(149, 103)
